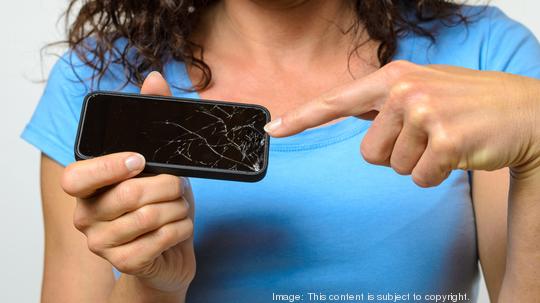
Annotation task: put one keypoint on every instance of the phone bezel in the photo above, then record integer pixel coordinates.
(181, 170)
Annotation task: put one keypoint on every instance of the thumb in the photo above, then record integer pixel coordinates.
(155, 84)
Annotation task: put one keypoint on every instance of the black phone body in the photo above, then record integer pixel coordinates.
(180, 136)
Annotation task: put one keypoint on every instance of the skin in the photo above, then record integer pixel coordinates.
(96, 214)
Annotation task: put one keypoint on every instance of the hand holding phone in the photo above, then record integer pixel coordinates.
(142, 226)
(181, 136)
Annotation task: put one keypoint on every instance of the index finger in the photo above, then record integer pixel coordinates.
(83, 178)
(356, 98)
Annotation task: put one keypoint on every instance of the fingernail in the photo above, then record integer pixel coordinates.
(154, 73)
(273, 125)
(135, 162)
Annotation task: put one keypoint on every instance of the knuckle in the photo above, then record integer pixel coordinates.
(439, 144)
(190, 273)
(443, 144)
(400, 168)
(399, 96)
(128, 193)
(367, 154)
(102, 167)
(370, 155)
(186, 231)
(421, 181)
(123, 261)
(419, 113)
(172, 234)
(80, 220)
(447, 150)
(133, 266)
(105, 166)
(331, 102)
(69, 178)
(403, 89)
(95, 243)
(189, 228)
(166, 236)
(175, 184)
(400, 67)
(146, 217)
(184, 210)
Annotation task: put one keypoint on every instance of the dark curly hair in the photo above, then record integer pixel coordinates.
(158, 30)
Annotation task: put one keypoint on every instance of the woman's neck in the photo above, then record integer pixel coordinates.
(282, 52)
(279, 31)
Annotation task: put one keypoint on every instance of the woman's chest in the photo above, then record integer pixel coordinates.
(278, 89)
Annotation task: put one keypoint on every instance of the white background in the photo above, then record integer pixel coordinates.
(25, 26)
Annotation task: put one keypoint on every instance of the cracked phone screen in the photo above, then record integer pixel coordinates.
(187, 133)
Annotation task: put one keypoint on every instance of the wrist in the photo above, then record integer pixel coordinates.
(133, 289)
(148, 288)
(529, 171)
(527, 122)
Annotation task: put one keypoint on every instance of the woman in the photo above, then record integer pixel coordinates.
(323, 222)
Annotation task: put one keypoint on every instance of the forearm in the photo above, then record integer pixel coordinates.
(130, 289)
(522, 276)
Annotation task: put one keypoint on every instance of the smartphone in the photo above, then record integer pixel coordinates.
(180, 136)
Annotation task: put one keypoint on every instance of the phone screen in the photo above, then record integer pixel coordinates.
(175, 131)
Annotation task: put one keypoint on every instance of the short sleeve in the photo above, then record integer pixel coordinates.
(53, 126)
(512, 47)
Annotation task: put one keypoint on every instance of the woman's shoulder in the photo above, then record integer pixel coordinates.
(489, 22)
(476, 20)
(78, 69)
(506, 44)
(82, 71)
(487, 40)
(53, 125)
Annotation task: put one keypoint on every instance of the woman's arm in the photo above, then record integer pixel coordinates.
(522, 272)
(71, 272)
(490, 198)
(142, 225)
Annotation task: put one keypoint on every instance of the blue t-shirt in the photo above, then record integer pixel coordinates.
(323, 221)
